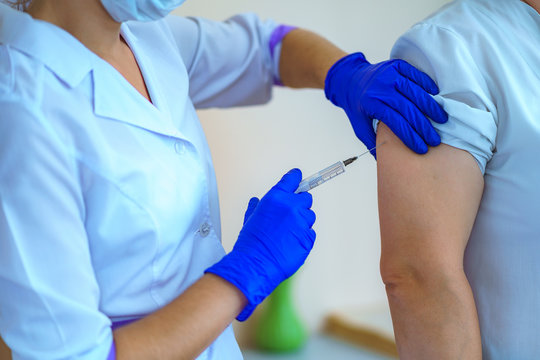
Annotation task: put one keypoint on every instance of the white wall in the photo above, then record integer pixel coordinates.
(253, 147)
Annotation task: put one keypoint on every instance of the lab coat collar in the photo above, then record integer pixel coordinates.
(71, 61)
(19, 29)
(112, 93)
(111, 97)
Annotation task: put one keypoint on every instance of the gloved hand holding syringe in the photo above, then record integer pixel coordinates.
(328, 173)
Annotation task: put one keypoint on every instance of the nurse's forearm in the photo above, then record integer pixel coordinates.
(306, 58)
(186, 326)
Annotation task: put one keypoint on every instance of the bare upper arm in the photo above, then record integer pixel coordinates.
(4, 351)
(427, 204)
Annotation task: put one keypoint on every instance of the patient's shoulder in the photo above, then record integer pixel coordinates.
(475, 19)
(455, 48)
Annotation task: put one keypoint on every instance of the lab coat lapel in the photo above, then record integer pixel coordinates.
(115, 99)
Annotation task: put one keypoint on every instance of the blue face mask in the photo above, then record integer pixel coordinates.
(140, 10)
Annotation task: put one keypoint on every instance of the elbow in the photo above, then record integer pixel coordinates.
(400, 279)
(409, 277)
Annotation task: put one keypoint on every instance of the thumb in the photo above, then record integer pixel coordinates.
(363, 129)
(251, 208)
(290, 181)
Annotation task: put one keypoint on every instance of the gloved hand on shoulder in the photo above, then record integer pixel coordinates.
(273, 244)
(393, 92)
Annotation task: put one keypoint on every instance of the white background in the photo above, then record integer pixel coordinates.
(253, 147)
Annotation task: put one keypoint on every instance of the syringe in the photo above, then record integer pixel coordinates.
(326, 174)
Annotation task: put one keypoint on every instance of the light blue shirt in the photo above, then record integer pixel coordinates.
(108, 203)
(485, 57)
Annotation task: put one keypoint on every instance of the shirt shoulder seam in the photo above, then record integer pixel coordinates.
(11, 80)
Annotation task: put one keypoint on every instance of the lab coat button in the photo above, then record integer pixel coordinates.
(179, 147)
(204, 230)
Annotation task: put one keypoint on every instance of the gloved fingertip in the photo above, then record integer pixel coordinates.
(434, 142)
(444, 117)
(295, 170)
(254, 201)
(435, 139)
(421, 149)
(433, 88)
(294, 175)
(417, 145)
(312, 217)
(310, 198)
(313, 236)
(290, 181)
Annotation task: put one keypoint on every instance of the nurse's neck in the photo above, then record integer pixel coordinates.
(86, 20)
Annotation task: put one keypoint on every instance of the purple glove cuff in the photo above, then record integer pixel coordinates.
(275, 39)
(277, 36)
(112, 352)
(117, 324)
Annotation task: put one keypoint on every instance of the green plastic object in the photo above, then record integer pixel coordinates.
(280, 328)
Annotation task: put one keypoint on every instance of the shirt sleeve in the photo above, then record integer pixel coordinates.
(229, 63)
(49, 295)
(464, 93)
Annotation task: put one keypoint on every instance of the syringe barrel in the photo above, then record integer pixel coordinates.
(321, 177)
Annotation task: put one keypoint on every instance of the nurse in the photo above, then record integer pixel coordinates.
(109, 220)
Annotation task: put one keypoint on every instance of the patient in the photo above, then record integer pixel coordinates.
(460, 226)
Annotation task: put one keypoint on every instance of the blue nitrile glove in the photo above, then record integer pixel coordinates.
(273, 244)
(393, 92)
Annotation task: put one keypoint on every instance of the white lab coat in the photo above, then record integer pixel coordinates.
(108, 203)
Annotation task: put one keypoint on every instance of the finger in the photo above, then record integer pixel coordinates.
(401, 128)
(253, 202)
(416, 119)
(309, 216)
(425, 102)
(369, 141)
(307, 239)
(366, 134)
(310, 237)
(419, 77)
(290, 181)
(305, 200)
